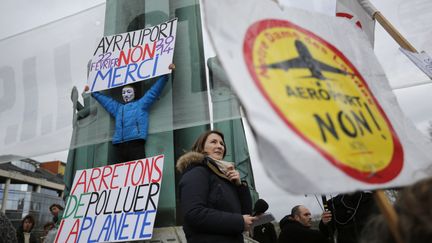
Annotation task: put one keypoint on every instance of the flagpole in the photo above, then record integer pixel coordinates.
(393, 32)
(389, 214)
(329, 227)
(377, 15)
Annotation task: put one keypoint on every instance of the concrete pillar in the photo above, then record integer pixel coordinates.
(5, 195)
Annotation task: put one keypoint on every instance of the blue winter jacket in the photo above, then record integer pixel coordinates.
(132, 118)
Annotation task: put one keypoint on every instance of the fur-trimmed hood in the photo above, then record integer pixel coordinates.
(194, 158)
(188, 159)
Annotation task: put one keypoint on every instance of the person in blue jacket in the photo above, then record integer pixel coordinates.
(131, 118)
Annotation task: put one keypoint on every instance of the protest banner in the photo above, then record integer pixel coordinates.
(133, 56)
(324, 116)
(113, 203)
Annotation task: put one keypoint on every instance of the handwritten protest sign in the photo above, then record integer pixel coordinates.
(133, 56)
(323, 113)
(113, 203)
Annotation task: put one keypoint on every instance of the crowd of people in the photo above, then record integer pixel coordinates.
(217, 207)
(25, 233)
(215, 203)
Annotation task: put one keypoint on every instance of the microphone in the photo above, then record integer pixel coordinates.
(259, 212)
(260, 207)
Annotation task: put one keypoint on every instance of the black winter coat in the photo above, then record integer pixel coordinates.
(294, 232)
(265, 233)
(211, 205)
(20, 236)
(350, 213)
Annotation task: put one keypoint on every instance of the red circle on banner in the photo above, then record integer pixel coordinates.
(395, 162)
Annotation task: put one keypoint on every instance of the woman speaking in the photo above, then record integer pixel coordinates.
(216, 205)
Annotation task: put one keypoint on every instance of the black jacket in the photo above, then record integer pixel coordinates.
(294, 232)
(211, 205)
(20, 236)
(350, 213)
(265, 233)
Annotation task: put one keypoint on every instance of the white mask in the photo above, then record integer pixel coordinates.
(128, 94)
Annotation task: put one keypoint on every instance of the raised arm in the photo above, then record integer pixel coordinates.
(108, 103)
(154, 92)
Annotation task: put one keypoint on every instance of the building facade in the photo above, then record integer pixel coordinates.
(27, 188)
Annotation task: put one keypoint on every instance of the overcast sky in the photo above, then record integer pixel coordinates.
(19, 16)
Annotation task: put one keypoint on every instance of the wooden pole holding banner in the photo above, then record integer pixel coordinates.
(389, 214)
(394, 33)
(421, 60)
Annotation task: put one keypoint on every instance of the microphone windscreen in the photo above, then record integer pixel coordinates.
(260, 207)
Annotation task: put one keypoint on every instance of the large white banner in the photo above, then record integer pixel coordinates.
(113, 203)
(132, 56)
(320, 105)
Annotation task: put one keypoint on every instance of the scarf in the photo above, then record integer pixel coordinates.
(221, 167)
